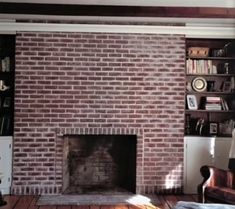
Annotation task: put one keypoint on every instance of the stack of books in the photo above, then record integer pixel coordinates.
(213, 103)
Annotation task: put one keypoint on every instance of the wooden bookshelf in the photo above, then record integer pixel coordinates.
(210, 77)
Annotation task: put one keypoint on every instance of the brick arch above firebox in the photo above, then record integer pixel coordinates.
(103, 131)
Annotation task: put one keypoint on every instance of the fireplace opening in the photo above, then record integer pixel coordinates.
(99, 164)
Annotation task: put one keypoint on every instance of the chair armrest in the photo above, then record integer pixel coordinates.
(213, 176)
(216, 177)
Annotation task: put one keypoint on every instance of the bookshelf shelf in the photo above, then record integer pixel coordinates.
(210, 93)
(210, 111)
(211, 58)
(211, 75)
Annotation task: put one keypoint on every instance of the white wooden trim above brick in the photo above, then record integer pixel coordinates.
(190, 30)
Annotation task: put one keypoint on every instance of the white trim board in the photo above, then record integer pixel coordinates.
(190, 31)
(124, 20)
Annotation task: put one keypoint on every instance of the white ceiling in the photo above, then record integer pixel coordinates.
(179, 3)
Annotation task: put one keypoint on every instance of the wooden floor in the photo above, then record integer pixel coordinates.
(29, 202)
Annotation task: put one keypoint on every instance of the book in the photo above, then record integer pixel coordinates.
(5, 66)
(2, 119)
(5, 125)
(213, 103)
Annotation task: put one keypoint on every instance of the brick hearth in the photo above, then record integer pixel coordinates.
(104, 83)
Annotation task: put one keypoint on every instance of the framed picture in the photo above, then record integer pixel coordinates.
(226, 86)
(213, 128)
(192, 102)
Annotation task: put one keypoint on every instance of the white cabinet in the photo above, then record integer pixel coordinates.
(199, 151)
(222, 148)
(5, 163)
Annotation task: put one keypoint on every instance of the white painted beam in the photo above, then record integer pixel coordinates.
(191, 31)
(130, 20)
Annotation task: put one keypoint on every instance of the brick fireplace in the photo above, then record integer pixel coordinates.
(105, 84)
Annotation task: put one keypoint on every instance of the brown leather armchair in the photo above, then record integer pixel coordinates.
(218, 185)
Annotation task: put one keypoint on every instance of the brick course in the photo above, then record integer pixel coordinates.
(96, 81)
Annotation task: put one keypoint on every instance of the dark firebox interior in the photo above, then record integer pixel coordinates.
(101, 164)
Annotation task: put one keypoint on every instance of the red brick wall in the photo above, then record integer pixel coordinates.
(98, 82)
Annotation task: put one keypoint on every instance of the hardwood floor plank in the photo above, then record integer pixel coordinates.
(133, 207)
(171, 200)
(107, 207)
(47, 207)
(80, 207)
(149, 206)
(162, 203)
(24, 202)
(94, 207)
(64, 207)
(11, 201)
(136, 207)
(33, 204)
(121, 206)
(187, 198)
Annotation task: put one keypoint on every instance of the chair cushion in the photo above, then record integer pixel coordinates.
(221, 193)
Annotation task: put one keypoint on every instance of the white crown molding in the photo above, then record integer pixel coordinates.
(125, 20)
(191, 31)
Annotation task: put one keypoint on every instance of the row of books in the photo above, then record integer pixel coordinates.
(200, 67)
(5, 65)
(5, 124)
(216, 103)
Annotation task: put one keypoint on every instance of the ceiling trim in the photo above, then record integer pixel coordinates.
(225, 22)
(190, 31)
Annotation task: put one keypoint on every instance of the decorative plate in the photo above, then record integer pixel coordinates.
(199, 84)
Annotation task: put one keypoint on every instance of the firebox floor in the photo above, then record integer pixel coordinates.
(105, 190)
